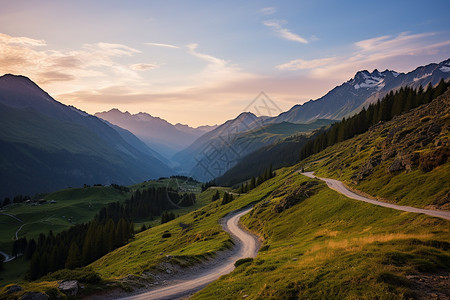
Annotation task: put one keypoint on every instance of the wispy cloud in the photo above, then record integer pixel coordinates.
(208, 58)
(162, 45)
(268, 11)
(20, 41)
(277, 26)
(300, 64)
(381, 52)
(144, 67)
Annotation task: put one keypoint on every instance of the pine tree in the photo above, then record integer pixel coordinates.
(216, 196)
(252, 183)
(31, 248)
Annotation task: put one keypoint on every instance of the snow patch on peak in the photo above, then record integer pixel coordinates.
(395, 74)
(371, 82)
(445, 69)
(422, 77)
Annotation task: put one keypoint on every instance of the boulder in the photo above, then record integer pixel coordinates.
(34, 296)
(69, 287)
(397, 165)
(13, 288)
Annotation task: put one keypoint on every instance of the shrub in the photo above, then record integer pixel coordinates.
(242, 261)
(432, 159)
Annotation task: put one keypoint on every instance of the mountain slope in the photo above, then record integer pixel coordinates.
(217, 151)
(47, 145)
(404, 161)
(157, 133)
(363, 89)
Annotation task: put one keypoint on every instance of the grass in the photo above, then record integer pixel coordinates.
(325, 246)
(329, 246)
(202, 238)
(412, 187)
(73, 206)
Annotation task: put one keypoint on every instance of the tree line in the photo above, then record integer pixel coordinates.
(255, 181)
(393, 104)
(76, 247)
(111, 228)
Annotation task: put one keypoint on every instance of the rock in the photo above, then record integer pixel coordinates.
(34, 296)
(13, 288)
(69, 287)
(434, 128)
(396, 166)
(306, 190)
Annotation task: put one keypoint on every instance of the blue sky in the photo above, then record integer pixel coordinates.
(202, 62)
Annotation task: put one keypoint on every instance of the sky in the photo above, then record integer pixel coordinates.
(204, 62)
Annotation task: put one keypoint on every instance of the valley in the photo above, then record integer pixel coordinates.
(341, 197)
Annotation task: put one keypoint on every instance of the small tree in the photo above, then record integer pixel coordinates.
(216, 196)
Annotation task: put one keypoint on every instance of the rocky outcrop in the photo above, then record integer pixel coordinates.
(13, 288)
(34, 296)
(69, 287)
(306, 190)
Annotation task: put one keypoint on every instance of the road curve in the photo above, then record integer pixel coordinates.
(247, 247)
(339, 187)
(7, 256)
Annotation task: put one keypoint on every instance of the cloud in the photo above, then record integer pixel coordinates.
(52, 76)
(144, 67)
(300, 64)
(162, 45)
(267, 11)
(398, 52)
(208, 58)
(24, 41)
(277, 26)
(108, 49)
(30, 57)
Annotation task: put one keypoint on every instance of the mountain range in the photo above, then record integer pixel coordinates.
(157, 133)
(364, 88)
(46, 145)
(233, 142)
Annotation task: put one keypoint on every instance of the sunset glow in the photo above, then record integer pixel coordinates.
(202, 62)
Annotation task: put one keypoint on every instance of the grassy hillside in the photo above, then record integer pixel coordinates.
(317, 244)
(402, 161)
(329, 246)
(199, 237)
(74, 206)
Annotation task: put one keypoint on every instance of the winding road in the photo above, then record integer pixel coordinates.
(247, 246)
(339, 187)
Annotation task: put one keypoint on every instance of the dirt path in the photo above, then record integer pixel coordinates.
(7, 257)
(339, 187)
(247, 246)
(12, 216)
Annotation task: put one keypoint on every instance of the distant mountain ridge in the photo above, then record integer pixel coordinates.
(157, 133)
(46, 145)
(220, 149)
(364, 88)
(234, 140)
